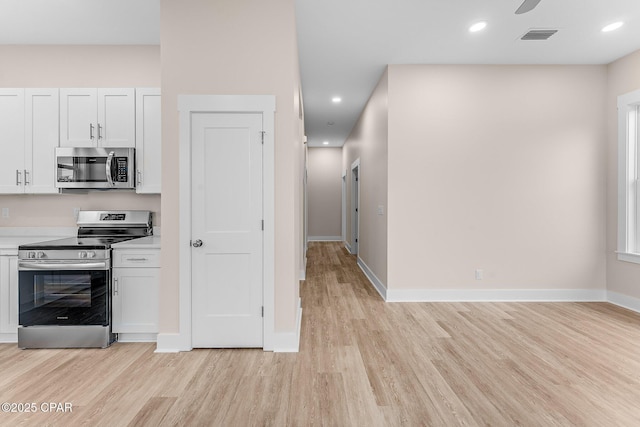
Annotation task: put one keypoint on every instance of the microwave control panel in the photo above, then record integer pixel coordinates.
(121, 170)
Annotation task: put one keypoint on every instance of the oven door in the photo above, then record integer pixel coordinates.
(64, 293)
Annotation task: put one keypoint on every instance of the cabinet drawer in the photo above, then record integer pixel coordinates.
(136, 258)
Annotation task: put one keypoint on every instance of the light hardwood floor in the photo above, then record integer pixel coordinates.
(362, 362)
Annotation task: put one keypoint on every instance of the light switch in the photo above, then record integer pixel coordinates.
(380, 210)
(5, 212)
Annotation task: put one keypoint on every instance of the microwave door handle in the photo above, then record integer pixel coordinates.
(108, 166)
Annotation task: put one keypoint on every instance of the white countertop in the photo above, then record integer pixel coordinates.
(12, 242)
(12, 237)
(150, 242)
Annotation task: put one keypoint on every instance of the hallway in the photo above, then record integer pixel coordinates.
(362, 362)
(463, 363)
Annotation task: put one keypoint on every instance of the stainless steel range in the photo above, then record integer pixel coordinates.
(64, 286)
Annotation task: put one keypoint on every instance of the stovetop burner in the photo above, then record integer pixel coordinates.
(77, 243)
(98, 230)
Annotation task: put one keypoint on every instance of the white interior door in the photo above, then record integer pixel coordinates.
(355, 206)
(227, 219)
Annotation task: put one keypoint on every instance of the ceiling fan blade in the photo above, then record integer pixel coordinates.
(527, 6)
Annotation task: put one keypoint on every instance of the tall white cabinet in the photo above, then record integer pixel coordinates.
(12, 140)
(29, 134)
(148, 141)
(42, 135)
(97, 117)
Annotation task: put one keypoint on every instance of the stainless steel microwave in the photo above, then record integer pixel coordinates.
(95, 168)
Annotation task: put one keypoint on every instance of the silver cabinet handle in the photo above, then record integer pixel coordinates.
(90, 130)
(99, 131)
(139, 177)
(115, 286)
(26, 177)
(108, 167)
(197, 243)
(137, 259)
(18, 177)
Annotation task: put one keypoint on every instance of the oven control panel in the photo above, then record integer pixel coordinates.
(36, 255)
(61, 255)
(86, 254)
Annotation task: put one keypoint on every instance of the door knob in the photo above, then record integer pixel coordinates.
(197, 243)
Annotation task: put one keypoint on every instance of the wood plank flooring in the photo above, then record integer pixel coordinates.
(362, 362)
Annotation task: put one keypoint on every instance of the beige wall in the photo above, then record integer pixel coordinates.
(234, 47)
(623, 77)
(368, 142)
(324, 189)
(76, 66)
(79, 66)
(499, 168)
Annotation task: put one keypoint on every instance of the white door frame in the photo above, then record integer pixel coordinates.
(344, 205)
(187, 105)
(355, 199)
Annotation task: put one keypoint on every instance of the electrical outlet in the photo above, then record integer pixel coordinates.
(380, 210)
(479, 274)
(5, 212)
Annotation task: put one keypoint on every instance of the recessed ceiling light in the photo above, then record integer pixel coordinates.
(325, 143)
(336, 100)
(612, 27)
(478, 26)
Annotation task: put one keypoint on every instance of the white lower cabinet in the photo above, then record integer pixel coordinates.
(9, 296)
(135, 283)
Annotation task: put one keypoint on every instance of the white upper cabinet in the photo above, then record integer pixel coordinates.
(12, 141)
(97, 117)
(41, 138)
(28, 137)
(148, 141)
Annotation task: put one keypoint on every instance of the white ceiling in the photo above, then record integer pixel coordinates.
(345, 44)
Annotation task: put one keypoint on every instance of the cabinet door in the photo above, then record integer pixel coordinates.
(116, 118)
(41, 138)
(9, 294)
(78, 117)
(135, 300)
(148, 141)
(12, 141)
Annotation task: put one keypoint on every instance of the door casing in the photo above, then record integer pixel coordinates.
(264, 104)
(355, 207)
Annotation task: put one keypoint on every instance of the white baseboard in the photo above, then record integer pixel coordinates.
(495, 295)
(324, 238)
(289, 342)
(303, 271)
(137, 337)
(347, 246)
(8, 338)
(625, 301)
(377, 284)
(170, 343)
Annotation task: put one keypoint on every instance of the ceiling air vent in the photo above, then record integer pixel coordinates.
(538, 34)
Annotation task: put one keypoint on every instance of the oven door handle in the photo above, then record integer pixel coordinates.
(27, 265)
